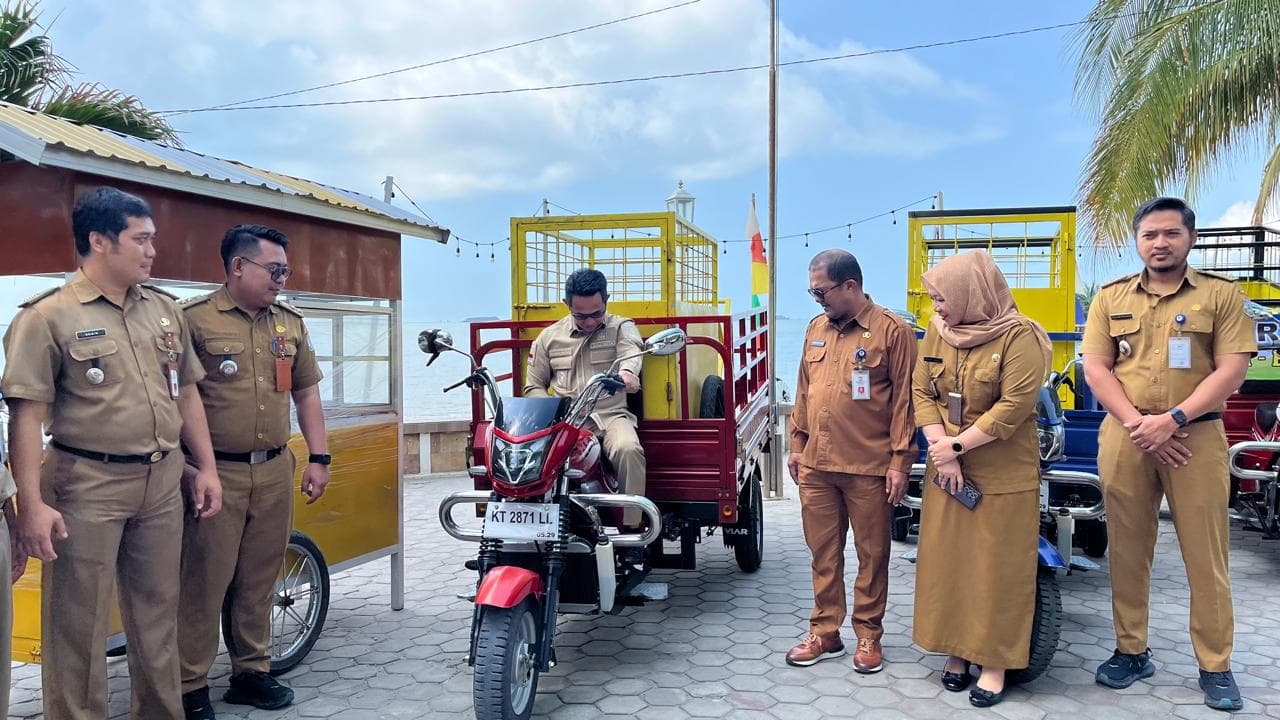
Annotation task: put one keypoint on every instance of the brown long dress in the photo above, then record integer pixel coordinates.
(976, 569)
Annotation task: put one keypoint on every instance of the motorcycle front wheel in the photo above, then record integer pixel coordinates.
(506, 665)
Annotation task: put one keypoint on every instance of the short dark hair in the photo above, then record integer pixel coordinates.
(104, 210)
(841, 265)
(585, 282)
(1166, 203)
(243, 239)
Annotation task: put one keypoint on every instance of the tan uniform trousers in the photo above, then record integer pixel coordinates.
(121, 521)
(236, 555)
(1132, 484)
(622, 447)
(830, 503)
(6, 617)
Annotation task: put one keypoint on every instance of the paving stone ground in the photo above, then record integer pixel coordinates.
(715, 647)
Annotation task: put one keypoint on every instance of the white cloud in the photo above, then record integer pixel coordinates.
(1240, 213)
(697, 128)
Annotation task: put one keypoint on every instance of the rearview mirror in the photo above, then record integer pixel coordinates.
(434, 342)
(666, 342)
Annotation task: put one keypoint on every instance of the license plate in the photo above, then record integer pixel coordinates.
(522, 521)
(1044, 496)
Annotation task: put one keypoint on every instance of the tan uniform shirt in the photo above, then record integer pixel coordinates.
(1214, 322)
(564, 358)
(829, 428)
(246, 412)
(62, 335)
(998, 382)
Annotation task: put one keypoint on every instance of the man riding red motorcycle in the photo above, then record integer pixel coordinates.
(568, 353)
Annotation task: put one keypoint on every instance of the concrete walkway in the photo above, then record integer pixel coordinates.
(715, 647)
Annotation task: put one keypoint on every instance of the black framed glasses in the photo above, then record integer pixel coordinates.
(588, 316)
(278, 272)
(818, 293)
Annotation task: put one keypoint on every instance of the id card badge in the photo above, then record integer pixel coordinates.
(861, 384)
(955, 408)
(171, 372)
(1179, 352)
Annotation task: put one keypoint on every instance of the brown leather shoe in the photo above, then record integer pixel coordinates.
(813, 648)
(868, 658)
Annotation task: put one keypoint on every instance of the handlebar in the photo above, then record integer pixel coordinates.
(612, 383)
(464, 381)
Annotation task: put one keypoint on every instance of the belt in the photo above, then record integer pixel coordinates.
(257, 457)
(148, 459)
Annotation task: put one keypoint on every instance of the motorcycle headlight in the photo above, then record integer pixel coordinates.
(519, 463)
(1052, 441)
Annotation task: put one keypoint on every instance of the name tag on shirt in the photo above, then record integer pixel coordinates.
(861, 384)
(1180, 353)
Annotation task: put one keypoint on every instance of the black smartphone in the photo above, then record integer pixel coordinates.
(969, 496)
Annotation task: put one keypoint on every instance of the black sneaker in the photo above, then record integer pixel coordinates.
(259, 690)
(1220, 691)
(1123, 669)
(196, 705)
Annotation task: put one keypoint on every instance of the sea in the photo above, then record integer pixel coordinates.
(425, 399)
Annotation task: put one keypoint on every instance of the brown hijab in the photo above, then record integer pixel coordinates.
(978, 298)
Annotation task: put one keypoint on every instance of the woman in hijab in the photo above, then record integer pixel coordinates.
(975, 386)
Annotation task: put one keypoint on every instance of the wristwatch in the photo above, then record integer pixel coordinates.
(1179, 417)
(320, 459)
(957, 447)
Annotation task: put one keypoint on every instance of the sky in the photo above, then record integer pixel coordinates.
(989, 124)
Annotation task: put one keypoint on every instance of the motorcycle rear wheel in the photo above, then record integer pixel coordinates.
(505, 679)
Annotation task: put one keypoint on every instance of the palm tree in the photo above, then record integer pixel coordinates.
(34, 76)
(1178, 86)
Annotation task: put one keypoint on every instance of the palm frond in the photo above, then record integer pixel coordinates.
(1186, 86)
(1268, 201)
(28, 64)
(95, 105)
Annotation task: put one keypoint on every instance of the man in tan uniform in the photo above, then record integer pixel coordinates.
(852, 446)
(104, 363)
(587, 341)
(257, 355)
(1163, 350)
(12, 564)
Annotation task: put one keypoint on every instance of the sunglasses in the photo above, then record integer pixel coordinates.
(589, 316)
(818, 294)
(279, 273)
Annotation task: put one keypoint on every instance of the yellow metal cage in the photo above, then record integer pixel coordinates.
(658, 265)
(1035, 248)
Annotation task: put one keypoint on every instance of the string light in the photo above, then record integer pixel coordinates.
(848, 226)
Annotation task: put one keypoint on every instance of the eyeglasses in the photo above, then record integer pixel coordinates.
(819, 294)
(589, 316)
(279, 273)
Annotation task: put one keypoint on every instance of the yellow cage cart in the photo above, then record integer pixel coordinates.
(345, 254)
(1035, 248)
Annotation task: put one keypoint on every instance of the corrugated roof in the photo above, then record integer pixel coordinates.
(29, 135)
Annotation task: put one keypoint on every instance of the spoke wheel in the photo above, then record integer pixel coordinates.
(298, 608)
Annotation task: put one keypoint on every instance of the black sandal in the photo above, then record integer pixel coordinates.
(957, 682)
(978, 697)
